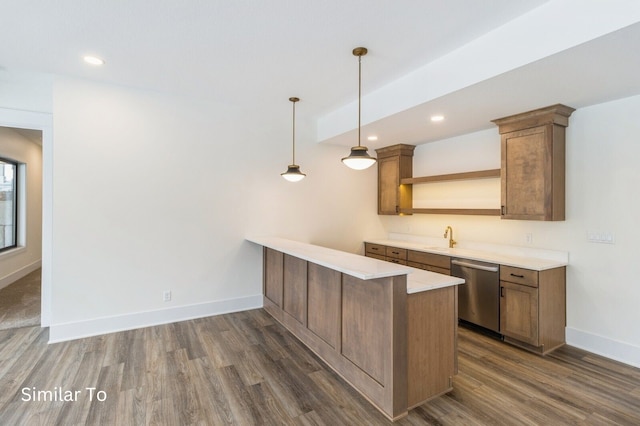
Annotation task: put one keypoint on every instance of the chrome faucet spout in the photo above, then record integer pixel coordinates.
(449, 232)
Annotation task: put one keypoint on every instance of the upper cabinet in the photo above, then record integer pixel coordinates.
(533, 163)
(394, 163)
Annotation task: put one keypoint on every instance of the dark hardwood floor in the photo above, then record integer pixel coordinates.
(246, 369)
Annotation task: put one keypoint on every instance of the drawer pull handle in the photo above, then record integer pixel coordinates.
(375, 248)
(395, 252)
(517, 276)
(501, 291)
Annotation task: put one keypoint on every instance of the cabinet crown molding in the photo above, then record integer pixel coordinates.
(557, 114)
(394, 150)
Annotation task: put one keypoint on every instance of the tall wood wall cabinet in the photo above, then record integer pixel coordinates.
(394, 163)
(533, 163)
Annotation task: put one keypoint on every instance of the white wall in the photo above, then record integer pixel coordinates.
(16, 263)
(155, 192)
(603, 177)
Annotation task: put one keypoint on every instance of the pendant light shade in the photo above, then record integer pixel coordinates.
(359, 158)
(293, 173)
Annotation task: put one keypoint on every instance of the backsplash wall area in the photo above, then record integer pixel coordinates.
(602, 177)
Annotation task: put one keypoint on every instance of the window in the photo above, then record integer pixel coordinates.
(8, 204)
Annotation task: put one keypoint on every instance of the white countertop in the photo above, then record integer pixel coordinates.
(355, 265)
(419, 280)
(533, 263)
(365, 268)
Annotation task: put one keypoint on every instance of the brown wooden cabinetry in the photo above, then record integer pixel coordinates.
(324, 304)
(429, 261)
(533, 163)
(416, 259)
(394, 163)
(376, 251)
(398, 350)
(382, 252)
(295, 288)
(532, 308)
(273, 275)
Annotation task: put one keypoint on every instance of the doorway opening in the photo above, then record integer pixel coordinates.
(20, 227)
(25, 267)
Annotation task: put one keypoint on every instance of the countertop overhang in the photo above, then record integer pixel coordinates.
(364, 268)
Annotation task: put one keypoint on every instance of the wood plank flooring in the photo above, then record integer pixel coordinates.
(20, 302)
(245, 369)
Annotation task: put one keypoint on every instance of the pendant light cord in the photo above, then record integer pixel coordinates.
(294, 133)
(359, 93)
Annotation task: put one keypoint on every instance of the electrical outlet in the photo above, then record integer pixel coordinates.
(166, 296)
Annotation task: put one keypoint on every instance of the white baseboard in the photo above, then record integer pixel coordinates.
(22, 272)
(105, 325)
(618, 351)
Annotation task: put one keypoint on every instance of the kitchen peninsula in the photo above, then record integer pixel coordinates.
(389, 330)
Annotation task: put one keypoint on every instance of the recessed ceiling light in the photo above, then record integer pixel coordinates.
(372, 138)
(436, 118)
(93, 60)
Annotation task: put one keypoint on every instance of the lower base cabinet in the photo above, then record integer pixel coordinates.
(396, 349)
(532, 308)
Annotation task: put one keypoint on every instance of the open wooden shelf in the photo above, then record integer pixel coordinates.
(494, 173)
(473, 212)
(480, 174)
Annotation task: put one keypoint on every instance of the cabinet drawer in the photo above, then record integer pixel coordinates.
(396, 253)
(519, 276)
(429, 259)
(374, 249)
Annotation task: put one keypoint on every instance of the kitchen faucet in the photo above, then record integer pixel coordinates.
(449, 231)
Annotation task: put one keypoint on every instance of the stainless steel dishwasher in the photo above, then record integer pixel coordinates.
(479, 296)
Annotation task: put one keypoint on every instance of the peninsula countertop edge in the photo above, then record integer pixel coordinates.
(364, 268)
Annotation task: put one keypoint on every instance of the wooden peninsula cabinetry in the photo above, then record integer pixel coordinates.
(390, 335)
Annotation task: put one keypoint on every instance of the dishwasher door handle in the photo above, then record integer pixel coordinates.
(474, 266)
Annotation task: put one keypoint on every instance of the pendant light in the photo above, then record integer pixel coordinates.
(293, 173)
(359, 158)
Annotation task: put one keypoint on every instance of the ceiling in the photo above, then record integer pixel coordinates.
(256, 54)
(601, 70)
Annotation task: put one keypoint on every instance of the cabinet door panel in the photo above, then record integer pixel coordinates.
(519, 312)
(273, 275)
(388, 185)
(324, 307)
(526, 173)
(365, 320)
(295, 288)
